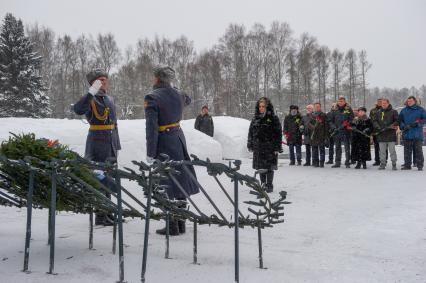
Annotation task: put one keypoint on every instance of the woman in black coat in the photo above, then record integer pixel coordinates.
(362, 129)
(264, 140)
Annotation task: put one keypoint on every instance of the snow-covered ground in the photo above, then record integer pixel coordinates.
(344, 225)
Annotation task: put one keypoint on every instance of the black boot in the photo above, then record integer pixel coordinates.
(358, 165)
(315, 164)
(376, 163)
(364, 165)
(299, 162)
(337, 165)
(321, 164)
(307, 163)
(181, 226)
(269, 188)
(292, 163)
(173, 229)
(406, 167)
(99, 219)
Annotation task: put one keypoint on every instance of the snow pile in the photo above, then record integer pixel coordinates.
(132, 135)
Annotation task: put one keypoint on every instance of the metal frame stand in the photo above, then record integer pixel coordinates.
(29, 218)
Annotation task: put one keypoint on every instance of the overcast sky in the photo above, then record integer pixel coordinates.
(392, 31)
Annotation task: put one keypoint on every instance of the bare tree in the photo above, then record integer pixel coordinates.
(365, 67)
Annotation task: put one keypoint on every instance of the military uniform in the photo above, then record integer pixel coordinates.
(163, 111)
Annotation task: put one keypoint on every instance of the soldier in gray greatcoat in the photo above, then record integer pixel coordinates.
(103, 141)
(163, 111)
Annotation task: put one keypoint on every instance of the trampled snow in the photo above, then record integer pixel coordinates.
(344, 225)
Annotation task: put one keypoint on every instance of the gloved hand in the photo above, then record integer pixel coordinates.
(301, 127)
(95, 87)
(150, 160)
(99, 174)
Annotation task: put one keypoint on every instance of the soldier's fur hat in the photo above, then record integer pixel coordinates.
(95, 74)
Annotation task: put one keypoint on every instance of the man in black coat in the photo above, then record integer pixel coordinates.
(373, 115)
(340, 123)
(319, 135)
(265, 141)
(204, 122)
(163, 111)
(331, 139)
(306, 120)
(103, 142)
(386, 124)
(293, 134)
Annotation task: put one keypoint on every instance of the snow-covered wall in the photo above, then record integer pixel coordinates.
(230, 138)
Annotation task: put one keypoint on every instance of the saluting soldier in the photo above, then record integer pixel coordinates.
(103, 141)
(163, 111)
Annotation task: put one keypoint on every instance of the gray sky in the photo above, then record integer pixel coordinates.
(392, 31)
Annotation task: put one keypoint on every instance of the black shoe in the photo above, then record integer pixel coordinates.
(376, 163)
(181, 226)
(420, 168)
(292, 163)
(307, 164)
(358, 165)
(299, 162)
(315, 164)
(321, 164)
(99, 219)
(406, 168)
(394, 167)
(269, 188)
(353, 162)
(348, 165)
(337, 165)
(173, 229)
(329, 162)
(364, 165)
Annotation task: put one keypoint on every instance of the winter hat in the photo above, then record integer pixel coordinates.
(205, 107)
(362, 109)
(164, 73)
(294, 107)
(95, 74)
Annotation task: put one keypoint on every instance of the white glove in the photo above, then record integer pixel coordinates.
(94, 88)
(150, 160)
(99, 174)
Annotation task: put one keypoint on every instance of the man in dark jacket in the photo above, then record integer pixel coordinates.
(102, 142)
(340, 123)
(293, 135)
(204, 122)
(319, 135)
(265, 141)
(386, 125)
(330, 142)
(373, 116)
(163, 111)
(412, 118)
(306, 120)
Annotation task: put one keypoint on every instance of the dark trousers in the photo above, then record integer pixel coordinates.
(331, 149)
(345, 140)
(298, 148)
(413, 147)
(308, 153)
(318, 153)
(267, 178)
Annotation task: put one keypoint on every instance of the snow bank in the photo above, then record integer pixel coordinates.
(229, 141)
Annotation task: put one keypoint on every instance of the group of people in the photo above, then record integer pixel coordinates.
(342, 126)
(316, 129)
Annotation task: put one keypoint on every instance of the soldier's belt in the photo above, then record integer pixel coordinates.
(101, 127)
(168, 127)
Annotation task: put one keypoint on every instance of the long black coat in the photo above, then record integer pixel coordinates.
(292, 129)
(164, 106)
(361, 144)
(319, 129)
(265, 138)
(204, 123)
